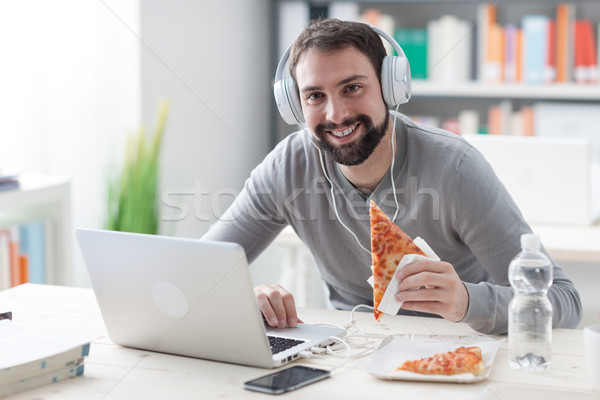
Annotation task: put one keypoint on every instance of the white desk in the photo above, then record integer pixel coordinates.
(114, 372)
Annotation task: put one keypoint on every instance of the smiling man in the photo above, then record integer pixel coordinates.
(351, 150)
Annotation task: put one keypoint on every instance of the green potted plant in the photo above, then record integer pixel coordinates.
(133, 193)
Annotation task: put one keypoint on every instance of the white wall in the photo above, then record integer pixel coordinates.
(77, 76)
(70, 92)
(211, 60)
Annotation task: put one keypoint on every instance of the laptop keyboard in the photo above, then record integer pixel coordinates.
(279, 344)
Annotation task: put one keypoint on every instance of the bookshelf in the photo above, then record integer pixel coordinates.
(576, 247)
(444, 100)
(46, 198)
(509, 108)
(476, 90)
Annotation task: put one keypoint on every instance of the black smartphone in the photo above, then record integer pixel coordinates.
(287, 379)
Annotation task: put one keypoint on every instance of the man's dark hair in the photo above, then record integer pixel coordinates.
(332, 34)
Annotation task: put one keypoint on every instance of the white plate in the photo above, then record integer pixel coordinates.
(396, 349)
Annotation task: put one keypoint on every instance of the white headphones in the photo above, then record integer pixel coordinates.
(395, 82)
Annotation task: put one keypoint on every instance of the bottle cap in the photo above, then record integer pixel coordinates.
(530, 242)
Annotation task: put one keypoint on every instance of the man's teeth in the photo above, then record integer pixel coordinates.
(345, 132)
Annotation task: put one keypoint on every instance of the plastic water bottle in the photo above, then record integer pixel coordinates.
(530, 311)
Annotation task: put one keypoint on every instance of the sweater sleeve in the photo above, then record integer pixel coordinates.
(255, 217)
(490, 224)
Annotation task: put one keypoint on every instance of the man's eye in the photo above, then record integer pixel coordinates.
(314, 96)
(353, 88)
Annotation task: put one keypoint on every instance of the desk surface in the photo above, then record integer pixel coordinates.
(115, 372)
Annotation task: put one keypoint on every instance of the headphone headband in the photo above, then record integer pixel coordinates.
(395, 82)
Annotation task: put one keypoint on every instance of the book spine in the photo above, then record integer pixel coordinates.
(486, 17)
(4, 260)
(433, 52)
(550, 67)
(42, 379)
(45, 364)
(535, 48)
(15, 262)
(564, 42)
(414, 45)
(465, 50)
(448, 57)
(590, 53)
(33, 244)
(510, 53)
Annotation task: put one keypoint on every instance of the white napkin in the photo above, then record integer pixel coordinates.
(389, 304)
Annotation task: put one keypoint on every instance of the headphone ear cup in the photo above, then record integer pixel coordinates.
(295, 104)
(287, 101)
(395, 80)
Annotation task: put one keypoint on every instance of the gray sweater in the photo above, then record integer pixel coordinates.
(447, 193)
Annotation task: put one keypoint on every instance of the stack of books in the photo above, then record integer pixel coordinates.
(8, 181)
(31, 359)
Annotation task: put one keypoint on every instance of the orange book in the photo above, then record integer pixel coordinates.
(495, 49)
(24, 266)
(486, 18)
(371, 16)
(499, 51)
(15, 260)
(495, 120)
(564, 42)
(527, 120)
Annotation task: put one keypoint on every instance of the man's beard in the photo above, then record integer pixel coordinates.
(356, 152)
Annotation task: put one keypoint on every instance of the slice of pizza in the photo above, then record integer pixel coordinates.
(460, 361)
(388, 245)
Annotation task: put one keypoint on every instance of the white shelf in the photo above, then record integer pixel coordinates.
(566, 91)
(578, 243)
(45, 197)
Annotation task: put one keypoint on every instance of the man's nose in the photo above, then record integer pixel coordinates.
(337, 110)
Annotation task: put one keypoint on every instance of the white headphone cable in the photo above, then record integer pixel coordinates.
(331, 190)
(393, 162)
(393, 142)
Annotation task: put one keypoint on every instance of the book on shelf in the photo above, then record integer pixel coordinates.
(586, 61)
(383, 21)
(32, 243)
(4, 262)
(25, 253)
(9, 182)
(486, 18)
(565, 41)
(550, 63)
(535, 49)
(448, 49)
(511, 55)
(32, 358)
(414, 44)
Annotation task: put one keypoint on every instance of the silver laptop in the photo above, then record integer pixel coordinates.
(187, 297)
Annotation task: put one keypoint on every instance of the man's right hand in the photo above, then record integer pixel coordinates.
(277, 305)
